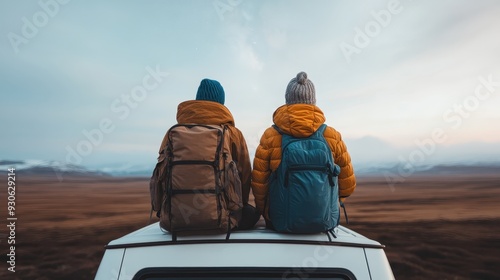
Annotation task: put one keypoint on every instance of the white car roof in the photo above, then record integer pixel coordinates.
(153, 235)
(150, 249)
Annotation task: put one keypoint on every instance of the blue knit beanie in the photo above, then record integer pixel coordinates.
(211, 90)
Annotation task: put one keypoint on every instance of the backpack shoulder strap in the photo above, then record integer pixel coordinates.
(278, 129)
(321, 130)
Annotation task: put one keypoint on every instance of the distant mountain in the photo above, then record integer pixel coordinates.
(49, 168)
(371, 156)
(374, 150)
(469, 152)
(370, 149)
(403, 170)
(456, 169)
(129, 170)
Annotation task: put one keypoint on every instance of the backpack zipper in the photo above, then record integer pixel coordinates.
(295, 168)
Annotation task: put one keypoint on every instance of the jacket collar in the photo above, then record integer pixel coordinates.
(299, 120)
(204, 112)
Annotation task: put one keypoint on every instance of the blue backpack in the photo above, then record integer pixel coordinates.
(303, 191)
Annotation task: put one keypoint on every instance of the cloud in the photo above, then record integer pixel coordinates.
(417, 89)
(242, 41)
(426, 61)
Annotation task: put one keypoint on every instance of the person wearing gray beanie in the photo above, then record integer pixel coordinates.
(300, 90)
(298, 118)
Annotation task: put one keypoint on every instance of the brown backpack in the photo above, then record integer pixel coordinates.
(195, 187)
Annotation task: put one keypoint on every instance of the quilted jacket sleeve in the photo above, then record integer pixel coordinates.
(262, 169)
(347, 179)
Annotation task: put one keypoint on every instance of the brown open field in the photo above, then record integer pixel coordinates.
(434, 227)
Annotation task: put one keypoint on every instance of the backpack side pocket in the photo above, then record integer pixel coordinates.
(157, 183)
(232, 187)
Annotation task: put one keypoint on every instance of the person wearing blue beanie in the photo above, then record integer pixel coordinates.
(211, 90)
(209, 109)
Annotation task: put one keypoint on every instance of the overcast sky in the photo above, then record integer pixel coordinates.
(98, 82)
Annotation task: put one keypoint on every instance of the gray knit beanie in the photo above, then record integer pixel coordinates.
(300, 90)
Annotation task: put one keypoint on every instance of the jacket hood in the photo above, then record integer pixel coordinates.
(299, 120)
(204, 112)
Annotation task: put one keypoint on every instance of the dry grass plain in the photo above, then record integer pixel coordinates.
(434, 227)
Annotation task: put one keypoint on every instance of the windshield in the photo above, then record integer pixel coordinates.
(246, 273)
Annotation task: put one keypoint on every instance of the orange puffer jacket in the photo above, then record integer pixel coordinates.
(213, 113)
(298, 120)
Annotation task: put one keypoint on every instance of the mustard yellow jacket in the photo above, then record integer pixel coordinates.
(213, 113)
(298, 120)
